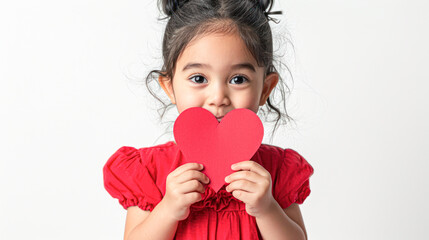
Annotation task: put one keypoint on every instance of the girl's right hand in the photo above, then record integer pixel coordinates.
(183, 188)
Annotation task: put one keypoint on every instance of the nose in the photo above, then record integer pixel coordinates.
(218, 95)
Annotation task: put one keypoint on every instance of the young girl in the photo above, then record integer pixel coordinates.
(217, 55)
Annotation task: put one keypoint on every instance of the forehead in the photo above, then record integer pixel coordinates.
(216, 49)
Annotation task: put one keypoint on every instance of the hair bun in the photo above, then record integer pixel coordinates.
(264, 4)
(170, 6)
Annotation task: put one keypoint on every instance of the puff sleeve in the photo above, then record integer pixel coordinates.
(127, 178)
(292, 183)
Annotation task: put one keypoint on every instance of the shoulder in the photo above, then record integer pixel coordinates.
(129, 158)
(161, 153)
(290, 173)
(268, 149)
(275, 156)
(135, 176)
(288, 168)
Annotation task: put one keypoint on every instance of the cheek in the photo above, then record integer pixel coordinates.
(247, 99)
(186, 98)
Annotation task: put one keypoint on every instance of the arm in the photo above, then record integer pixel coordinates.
(252, 185)
(183, 188)
(276, 224)
(146, 225)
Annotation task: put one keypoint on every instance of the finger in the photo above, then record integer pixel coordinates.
(193, 197)
(243, 185)
(192, 174)
(242, 195)
(187, 166)
(191, 186)
(246, 175)
(250, 166)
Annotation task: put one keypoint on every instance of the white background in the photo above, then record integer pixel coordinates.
(70, 96)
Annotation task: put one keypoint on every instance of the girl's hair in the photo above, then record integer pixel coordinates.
(189, 19)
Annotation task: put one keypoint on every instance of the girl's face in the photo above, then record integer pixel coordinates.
(218, 73)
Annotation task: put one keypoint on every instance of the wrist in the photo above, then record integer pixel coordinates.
(166, 212)
(272, 208)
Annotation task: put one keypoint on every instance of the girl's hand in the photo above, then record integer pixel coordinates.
(252, 186)
(183, 188)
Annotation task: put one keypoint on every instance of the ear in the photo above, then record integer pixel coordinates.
(270, 82)
(167, 86)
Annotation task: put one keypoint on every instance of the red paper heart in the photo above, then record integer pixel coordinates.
(202, 139)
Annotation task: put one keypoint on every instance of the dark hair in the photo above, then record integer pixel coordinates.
(194, 18)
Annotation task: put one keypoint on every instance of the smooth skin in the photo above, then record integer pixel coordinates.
(184, 187)
(218, 73)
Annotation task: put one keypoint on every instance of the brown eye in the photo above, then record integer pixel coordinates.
(239, 79)
(198, 79)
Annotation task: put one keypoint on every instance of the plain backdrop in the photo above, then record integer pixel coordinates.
(72, 93)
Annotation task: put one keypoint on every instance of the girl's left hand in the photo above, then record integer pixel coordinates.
(251, 185)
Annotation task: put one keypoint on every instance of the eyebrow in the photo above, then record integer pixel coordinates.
(236, 66)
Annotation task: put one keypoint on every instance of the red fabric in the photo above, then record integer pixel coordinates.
(136, 177)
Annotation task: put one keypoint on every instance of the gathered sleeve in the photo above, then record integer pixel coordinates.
(292, 182)
(127, 178)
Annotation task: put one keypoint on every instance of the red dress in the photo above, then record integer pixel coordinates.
(137, 177)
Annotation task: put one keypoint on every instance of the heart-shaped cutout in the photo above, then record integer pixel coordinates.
(218, 145)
